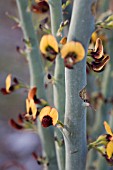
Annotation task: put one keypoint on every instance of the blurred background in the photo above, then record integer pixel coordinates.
(16, 147)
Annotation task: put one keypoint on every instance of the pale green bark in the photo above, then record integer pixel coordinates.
(81, 27)
(36, 77)
(59, 86)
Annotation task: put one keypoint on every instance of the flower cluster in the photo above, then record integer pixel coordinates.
(71, 52)
(35, 107)
(104, 144)
(27, 119)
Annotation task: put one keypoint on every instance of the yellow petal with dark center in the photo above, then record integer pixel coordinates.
(109, 149)
(107, 128)
(48, 41)
(54, 115)
(73, 47)
(32, 93)
(8, 83)
(44, 112)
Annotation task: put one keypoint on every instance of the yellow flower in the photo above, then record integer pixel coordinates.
(49, 47)
(109, 147)
(31, 109)
(72, 52)
(11, 84)
(48, 116)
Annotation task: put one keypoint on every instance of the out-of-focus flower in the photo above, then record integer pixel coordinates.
(49, 47)
(19, 125)
(40, 7)
(104, 144)
(72, 52)
(109, 146)
(48, 116)
(31, 109)
(11, 84)
(32, 95)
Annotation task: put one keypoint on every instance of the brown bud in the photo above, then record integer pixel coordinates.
(15, 125)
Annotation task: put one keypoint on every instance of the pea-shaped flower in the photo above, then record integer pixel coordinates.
(31, 109)
(72, 52)
(49, 47)
(48, 116)
(11, 84)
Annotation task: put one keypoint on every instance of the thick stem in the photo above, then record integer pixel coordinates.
(36, 77)
(59, 86)
(81, 27)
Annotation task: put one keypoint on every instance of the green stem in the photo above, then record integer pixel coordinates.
(36, 77)
(81, 28)
(59, 86)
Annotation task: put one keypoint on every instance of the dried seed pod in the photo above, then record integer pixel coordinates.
(98, 67)
(98, 51)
